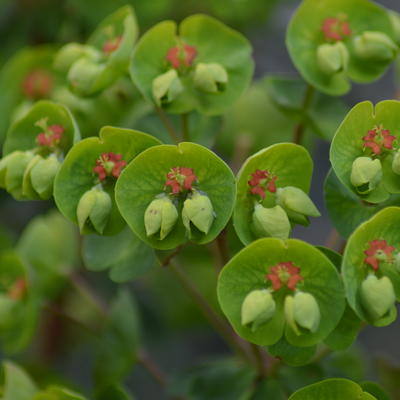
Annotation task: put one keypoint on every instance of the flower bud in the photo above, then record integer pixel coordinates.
(42, 176)
(271, 222)
(332, 58)
(258, 308)
(294, 201)
(396, 163)
(167, 87)
(377, 296)
(94, 207)
(366, 174)
(302, 310)
(210, 77)
(161, 215)
(83, 75)
(374, 46)
(72, 52)
(198, 210)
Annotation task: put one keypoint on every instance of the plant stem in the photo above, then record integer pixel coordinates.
(185, 127)
(153, 369)
(299, 129)
(168, 124)
(260, 361)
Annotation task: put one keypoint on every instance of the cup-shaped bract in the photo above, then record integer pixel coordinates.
(368, 132)
(98, 161)
(213, 65)
(105, 57)
(179, 172)
(332, 42)
(261, 176)
(34, 147)
(287, 268)
(369, 268)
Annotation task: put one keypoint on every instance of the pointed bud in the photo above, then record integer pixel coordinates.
(294, 200)
(332, 58)
(258, 308)
(83, 75)
(198, 210)
(371, 45)
(366, 174)
(396, 163)
(210, 77)
(167, 87)
(271, 222)
(161, 215)
(94, 207)
(42, 176)
(302, 310)
(377, 296)
(72, 52)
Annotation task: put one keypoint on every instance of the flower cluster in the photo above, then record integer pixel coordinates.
(378, 139)
(180, 179)
(262, 181)
(284, 274)
(51, 137)
(335, 28)
(109, 165)
(37, 84)
(181, 56)
(378, 250)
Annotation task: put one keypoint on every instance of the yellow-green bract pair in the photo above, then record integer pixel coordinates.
(161, 215)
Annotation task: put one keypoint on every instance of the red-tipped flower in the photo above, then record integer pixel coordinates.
(180, 179)
(51, 136)
(109, 164)
(284, 274)
(377, 251)
(37, 84)
(112, 44)
(335, 29)
(262, 181)
(378, 139)
(182, 55)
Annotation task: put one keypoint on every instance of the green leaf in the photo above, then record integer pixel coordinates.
(292, 355)
(247, 271)
(374, 389)
(289, 162)
(332, 389)
(113, 392)
(145, 178)
(58, 393)
(382, 226)
(304, 36)
(214, 43)
(76, 175)
(17, 384)
(126, 256)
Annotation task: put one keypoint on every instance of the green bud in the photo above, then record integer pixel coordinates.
(83, 75)
(374, 46)
(42, 176)
(294, 200)
(198, 210)
(95, 207)
(72, 52)
(271, 222)
(396, 163)
(167, 87)
(366, 174)
(258, 308)
(332, 58)
(377, 296)
(27, 189)
(161, 215)
(210, 77)
(302, 310)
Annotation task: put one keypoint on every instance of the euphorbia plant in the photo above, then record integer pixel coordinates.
(186, 168)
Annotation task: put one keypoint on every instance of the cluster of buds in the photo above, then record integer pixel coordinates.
(377, 294)
(366, 171)
(161, 214)
(180, 60)
(291, 205)
(301, 309)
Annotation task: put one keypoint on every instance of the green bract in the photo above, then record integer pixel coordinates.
(248, 271)
(95, 66)
(212, 62)
(77, 177)
(334, 41)
(145, 180)
(34, 148)
(370, 274)
(368, 133)
(292, 166)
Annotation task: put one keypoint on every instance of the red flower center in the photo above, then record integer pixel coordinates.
(335, 28)
(181, 55)
(109, 165)
(180, 179)
(284, 274)
(18, 290)
(51, 134)
(378, 139)
(37, 84)
(377, 251)
(262, 181)
(112, 44)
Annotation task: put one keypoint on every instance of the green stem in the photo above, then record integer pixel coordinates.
(185, 127)
(300, 128)
(168, 125)
(260, 361)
